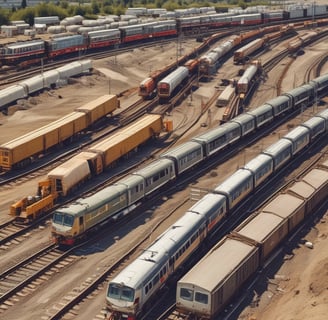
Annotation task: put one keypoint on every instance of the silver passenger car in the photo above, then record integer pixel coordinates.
(185, 155)
(263, 114)
(218, 138)
(246, 122)
(281, 152)
(261, 168)
(156, 174)
(236, 187)
(300, 137)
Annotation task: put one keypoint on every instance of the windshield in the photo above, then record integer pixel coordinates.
(116, 291)
(63, 219)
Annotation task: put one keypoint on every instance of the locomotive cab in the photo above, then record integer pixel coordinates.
(64, 228)
(122, 300)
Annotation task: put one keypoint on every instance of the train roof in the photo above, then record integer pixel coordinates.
(217, 265)
(153, 167)
(261, 109)
(18, 45)
(82, 205)
(260, 226)
(165, 246)
(209, 203)
(182, 149)
(276, 148)
(122, 134)
(284, 205)
(41, 131)
(216, 132)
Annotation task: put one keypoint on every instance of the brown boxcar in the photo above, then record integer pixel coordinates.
(264, 228)
(289, 207)
(209, 286)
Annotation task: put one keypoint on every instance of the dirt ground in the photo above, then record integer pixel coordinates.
(300, 289)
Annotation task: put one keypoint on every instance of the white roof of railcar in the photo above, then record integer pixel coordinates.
(182, 149)
(260, 226)
(284, 205)
(258, 162)
(90, 203)
(234, 181)
(217, 265)
(275, 148)
(153, 167)
(161, 249)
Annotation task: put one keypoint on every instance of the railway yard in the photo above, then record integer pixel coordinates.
(294, 286)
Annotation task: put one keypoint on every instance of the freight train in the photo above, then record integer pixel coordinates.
(70, 175)
(23, 150)
(32, 51)
(129, 296)
(207, 288)
(178, 160)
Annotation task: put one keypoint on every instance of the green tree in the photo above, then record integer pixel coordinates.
(24, 4)
(95, 7)
(4, 17)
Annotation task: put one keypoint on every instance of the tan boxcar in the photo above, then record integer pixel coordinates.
(69, 175)
(264, 228)
(99, 108)
(289, 207)
(313, 188)
(128, 138)
(216, 278)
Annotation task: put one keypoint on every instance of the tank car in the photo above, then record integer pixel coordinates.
(12, 94)
(166, 87)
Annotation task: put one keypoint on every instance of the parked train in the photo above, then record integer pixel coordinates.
(70, 175)
(244, 84)
(128, 296)
(207, 288)
(23, 150)
(185, 156)
(33, 51)
(47, 79)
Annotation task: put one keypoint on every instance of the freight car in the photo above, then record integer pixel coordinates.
(243, 54)
(206, 289)
(128, 297)
(68, 176)
(23, 150)
(226, 96)
(246, 81)
(189, 155)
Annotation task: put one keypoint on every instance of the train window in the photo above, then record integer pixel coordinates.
(81, 221)
(68, 220)
(156, 280)
(201, 297)
(171, 261)
(186, 294)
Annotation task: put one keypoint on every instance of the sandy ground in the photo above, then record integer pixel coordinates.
(302, 282)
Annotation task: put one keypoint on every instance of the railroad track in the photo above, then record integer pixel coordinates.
(262, 197)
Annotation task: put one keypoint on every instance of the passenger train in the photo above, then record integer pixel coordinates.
(74, 221)
(32, 51)
(204, 292)
(130, 292)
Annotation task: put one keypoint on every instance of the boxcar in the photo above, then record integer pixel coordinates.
(99, 108)
(127, 139)
(207, 288)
